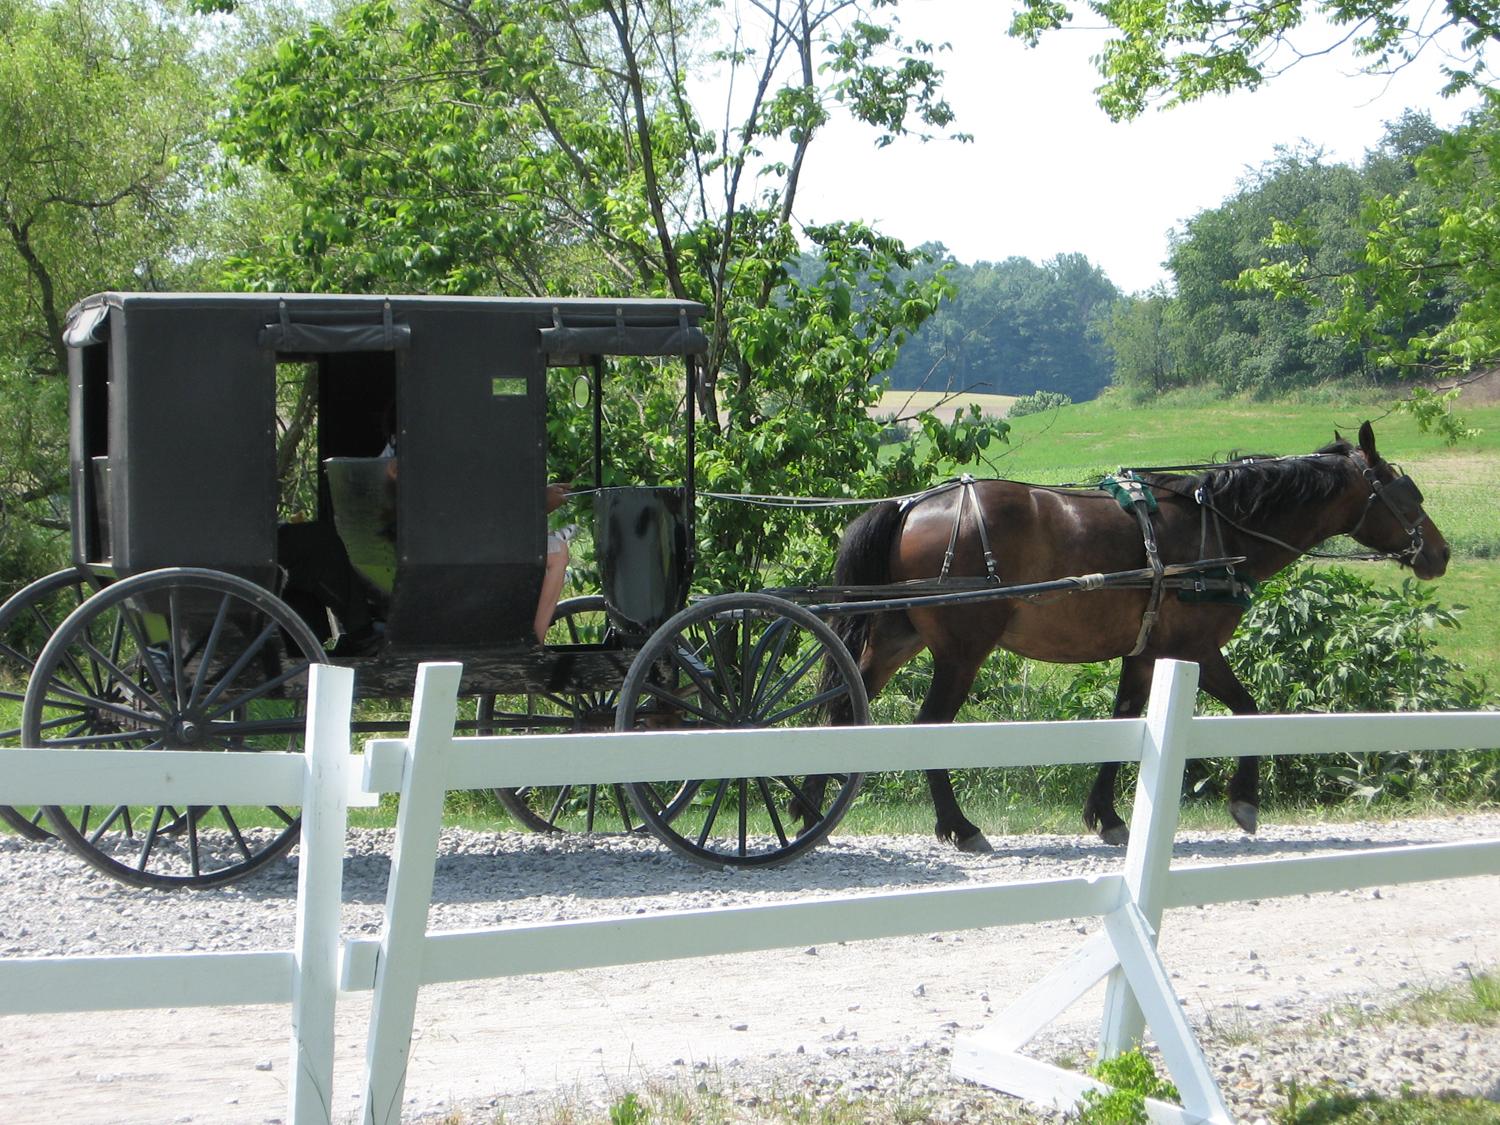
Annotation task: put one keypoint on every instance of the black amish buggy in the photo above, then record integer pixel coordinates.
(185, 621)
(193, 612)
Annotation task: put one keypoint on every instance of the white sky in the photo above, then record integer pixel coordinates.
(1047, 172)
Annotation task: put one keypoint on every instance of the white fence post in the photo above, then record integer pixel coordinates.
(398, 970)
(320, 879)
(1153, 825)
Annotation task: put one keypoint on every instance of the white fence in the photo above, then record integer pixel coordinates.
(431, 761)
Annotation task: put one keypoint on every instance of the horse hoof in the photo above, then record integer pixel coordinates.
(975, 844)
(1246, 815)
(1117, 835)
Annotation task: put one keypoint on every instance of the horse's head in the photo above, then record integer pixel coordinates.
(1394, 521)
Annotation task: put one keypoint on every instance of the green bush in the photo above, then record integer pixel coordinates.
(1038, 402)
(1327, 640)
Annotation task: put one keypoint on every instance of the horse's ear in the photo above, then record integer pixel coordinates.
(1337, 437)
(1367, 442)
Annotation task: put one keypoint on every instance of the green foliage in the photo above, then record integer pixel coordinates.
(555, 149)
(1166, 52)
(1132, 1079)
(1038, 402)
(1339, 1107)
(1327, 640)
(1013, 327)
(629, 1110)
(1419, 295)
(103, 109)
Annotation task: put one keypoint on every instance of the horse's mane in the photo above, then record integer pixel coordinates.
(1249, 484)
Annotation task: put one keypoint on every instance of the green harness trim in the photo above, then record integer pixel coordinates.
(1128, 492)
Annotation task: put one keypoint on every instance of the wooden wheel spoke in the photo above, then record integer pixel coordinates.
(590, 807)
(195, 862)
(799, 794)
(786, 684)
(722, 683)
(210, 649)
(656, 691)
(119, 677)
(780, 636)
(770, 803)
(108, 739)
(259, 691)
(557, 806)
(713, 812)
(252, 650)
(286, 817)
(128, 617)
(178, 684)
(624, 806)
(148, 842)
(234, 832)
(806, 705)
(744, 815)
(106, 824)
(66, 699)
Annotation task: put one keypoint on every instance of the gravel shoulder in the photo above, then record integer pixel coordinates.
(873, 1019)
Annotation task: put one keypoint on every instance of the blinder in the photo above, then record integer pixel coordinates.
(1404, 499)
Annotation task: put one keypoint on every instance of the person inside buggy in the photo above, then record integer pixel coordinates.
(320, 578)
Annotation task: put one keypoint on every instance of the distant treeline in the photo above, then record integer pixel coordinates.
(1016, 327)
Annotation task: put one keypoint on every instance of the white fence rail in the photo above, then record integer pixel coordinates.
(430, 761)
(304, 976)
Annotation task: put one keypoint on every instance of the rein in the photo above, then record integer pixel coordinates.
(1401, 496)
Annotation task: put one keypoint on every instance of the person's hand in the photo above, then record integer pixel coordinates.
(557, 495)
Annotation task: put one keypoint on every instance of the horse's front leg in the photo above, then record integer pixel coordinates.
(1219, 680)
(951, 680)
(1099, 813)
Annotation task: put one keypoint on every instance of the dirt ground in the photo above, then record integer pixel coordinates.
(598, 1031)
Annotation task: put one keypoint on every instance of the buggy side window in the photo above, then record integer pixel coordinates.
(94, 416)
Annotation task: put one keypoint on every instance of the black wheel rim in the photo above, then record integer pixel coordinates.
(743, 661)
(176, 660)
(27, 621)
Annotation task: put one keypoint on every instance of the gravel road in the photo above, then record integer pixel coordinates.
(873, 1019)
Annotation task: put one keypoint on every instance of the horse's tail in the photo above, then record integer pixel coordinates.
(864, 559)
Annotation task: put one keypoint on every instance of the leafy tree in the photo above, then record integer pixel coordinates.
(1015, 327)
(1165, 52)
(492, 146)
(103, 115)
(1438, 235)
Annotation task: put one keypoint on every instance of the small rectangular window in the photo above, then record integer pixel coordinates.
(502, 386)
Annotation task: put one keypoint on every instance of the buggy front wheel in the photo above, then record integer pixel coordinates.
(177, 659)
(741, 661)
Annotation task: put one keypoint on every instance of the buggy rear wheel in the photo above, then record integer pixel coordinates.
(743, 661)
(177, 659)
(28, 619)
(571, 808)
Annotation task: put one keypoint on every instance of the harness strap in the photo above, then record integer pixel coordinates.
(967, 495)
(1142, 509)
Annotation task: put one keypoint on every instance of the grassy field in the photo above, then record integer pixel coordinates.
(903, 404)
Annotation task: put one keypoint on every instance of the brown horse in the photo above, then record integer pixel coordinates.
(1268, 510)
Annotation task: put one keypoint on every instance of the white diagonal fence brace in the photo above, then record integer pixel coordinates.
(430, 761)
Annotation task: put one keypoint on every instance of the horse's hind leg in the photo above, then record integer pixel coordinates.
(1099, 813)
(1219, 680)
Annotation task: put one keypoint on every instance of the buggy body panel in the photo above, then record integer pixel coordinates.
(174, 434)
